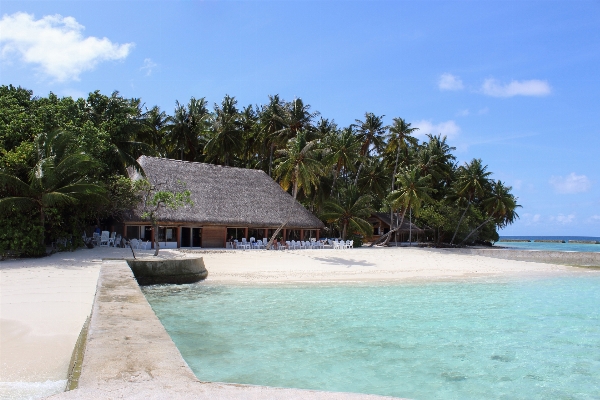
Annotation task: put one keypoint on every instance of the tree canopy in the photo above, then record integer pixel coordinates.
(58, 151)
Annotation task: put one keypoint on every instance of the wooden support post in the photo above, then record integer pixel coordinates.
(302, 234)
(246, 233)
(152, 233)
(284, 235)
(317, 234)
(179, 237)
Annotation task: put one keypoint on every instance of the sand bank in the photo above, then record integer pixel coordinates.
(369, 265)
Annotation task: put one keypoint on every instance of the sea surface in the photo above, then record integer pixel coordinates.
(533, 339)
(551, 246)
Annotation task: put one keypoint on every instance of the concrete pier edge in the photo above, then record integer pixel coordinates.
(581, 259)
(128, 354)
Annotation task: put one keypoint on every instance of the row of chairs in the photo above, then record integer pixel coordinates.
(341, 245)
(288, 245)
(139, 244)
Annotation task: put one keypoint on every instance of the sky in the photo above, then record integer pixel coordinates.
(515, 83)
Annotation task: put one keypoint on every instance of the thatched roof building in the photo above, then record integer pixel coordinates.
(227, 202)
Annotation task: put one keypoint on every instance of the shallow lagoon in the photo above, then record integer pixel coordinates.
(518, 339)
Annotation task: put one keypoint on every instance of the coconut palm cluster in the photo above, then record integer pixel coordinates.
(58, 152)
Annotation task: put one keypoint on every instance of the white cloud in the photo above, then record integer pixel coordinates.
(483, 111)
(450, 82)
(531, 219)
(563, 219)
(464, 113)
(55, 45)
(533, 87)
(148, 66)
(517, 184)
(572, 183)
(447, 128)
(594, 219)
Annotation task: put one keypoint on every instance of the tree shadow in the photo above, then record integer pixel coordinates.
(344, 261)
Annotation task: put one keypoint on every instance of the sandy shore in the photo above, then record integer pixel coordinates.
(44, 302)
(369, 265)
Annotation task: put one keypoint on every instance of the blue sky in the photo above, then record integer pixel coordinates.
(514, 83)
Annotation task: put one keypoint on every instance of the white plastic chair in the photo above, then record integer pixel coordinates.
(104, 239)
(143, 245)
(111, 239)
(134, 243)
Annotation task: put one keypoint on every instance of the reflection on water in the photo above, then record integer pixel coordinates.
(535, 339)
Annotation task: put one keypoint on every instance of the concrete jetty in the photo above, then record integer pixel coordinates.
(128, 354)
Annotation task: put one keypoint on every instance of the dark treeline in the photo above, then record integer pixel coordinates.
(63, 165)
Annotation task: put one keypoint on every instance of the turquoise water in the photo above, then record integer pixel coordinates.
(552, 246)
(537, 339)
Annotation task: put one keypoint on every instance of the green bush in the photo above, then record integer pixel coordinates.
(20, 236)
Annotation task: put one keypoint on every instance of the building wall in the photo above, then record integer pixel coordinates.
(213, 236)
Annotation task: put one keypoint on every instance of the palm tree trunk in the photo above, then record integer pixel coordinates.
(290, 214)
(295, 189)
(155, 235)
(357, 174)
(344, 230)
(388, 235)
(476, 229)
(387, 240)
(394, 181)
(460, 221)
(271, 158)
(335, 176)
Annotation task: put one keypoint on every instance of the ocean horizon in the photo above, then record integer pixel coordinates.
(545, 246)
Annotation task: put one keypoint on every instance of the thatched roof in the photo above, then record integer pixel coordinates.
(406, 224)
(225, 196)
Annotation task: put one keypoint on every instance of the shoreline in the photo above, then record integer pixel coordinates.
(44, 302)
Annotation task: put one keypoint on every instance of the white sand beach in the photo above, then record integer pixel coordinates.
(368, 265)
(44, 302)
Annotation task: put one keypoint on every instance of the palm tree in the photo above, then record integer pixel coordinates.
(154, 131)
(435, 157)
(399, 141)
(59, 178)
(249, 129)
(298, 165)
(500, 207)
(341, 151)
(296, 118)
(225, 140)
(375, 179)
(472, 182)
(413, 190)
(349, 212)
(271, 122)
(187, 126)
(371, 133)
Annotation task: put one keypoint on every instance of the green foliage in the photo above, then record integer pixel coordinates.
(311, 157)
(20, 235)
(349, 212)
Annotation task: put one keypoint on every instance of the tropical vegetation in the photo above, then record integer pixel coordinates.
(64, 162)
